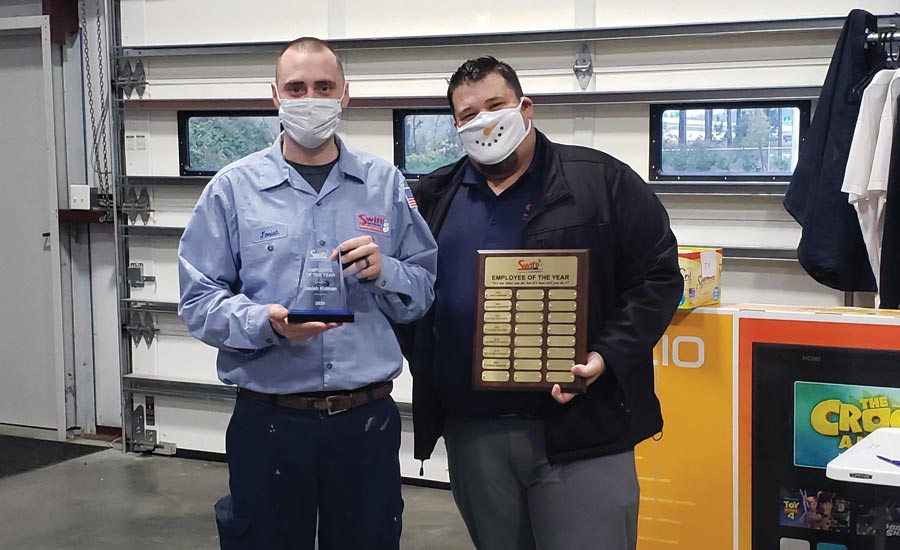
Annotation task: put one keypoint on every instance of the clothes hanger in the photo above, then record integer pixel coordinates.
(856, 92)
(893, 57)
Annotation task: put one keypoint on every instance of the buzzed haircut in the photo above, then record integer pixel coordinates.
(475, 70)
(308, 44)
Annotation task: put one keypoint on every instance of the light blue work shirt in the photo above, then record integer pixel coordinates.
(244, 248)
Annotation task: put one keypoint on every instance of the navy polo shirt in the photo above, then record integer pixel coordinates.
(478, 219)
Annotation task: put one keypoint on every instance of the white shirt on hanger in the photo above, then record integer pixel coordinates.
(862, 148)
(869, 161)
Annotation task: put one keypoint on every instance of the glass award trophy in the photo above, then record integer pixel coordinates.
(322, 296)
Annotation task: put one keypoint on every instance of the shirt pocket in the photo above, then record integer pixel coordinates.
(271, 261)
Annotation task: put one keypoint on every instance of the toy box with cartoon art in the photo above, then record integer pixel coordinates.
(702, 272)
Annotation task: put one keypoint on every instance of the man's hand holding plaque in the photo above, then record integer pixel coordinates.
(593, 368)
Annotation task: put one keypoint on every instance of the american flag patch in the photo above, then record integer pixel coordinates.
(410, 199)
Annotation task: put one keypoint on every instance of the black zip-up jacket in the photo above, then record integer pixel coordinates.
(831, 246)
(593, 201)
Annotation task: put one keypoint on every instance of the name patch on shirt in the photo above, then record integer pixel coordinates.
(374, 224)
(269, 233)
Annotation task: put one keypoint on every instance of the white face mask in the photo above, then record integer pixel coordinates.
(310, 121)
(492, 136)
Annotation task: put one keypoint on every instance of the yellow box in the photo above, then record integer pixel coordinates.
(702, 272)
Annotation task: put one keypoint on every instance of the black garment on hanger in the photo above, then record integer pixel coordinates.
(831, 248)
(890, 243)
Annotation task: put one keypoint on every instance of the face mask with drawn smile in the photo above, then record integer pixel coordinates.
(492, 136)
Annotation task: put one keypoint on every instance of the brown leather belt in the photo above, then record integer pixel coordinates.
(331, 403)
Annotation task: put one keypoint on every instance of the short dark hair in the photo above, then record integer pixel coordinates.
(309, 44)
(475, 70)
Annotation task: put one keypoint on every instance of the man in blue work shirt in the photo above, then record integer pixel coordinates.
(313, 443)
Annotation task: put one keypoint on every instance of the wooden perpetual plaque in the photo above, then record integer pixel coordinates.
(532, 319)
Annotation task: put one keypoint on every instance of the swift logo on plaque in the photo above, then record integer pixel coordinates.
(532, 319)
(322, 296)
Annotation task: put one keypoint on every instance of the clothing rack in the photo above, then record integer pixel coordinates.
(887, 38)
(883, 36)
(887, 34)
(886, 28)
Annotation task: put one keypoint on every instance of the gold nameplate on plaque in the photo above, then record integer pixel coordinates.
(561, 330)
(496, 352)
(536, 305)
(493, 340)
(530, 295)
(560, 353)
(563, 294)
(558, 364)
(529, 317)
(569, 318)
(531, 324)
(495, 364)
(527, 364)
(495, 376)
(497, 317)
(529, 341)
(499, 305)
(557, 341)
(527, 376)
(497, 328)
(529, 330)
(560, 377)
(527, 353)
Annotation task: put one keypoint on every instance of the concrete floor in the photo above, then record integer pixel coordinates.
(110, 500)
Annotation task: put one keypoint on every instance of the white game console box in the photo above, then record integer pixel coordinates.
(874, 460)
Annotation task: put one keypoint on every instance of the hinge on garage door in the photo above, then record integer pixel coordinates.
(135, 205)
(142, 439)
(165, 448)
(141, 325)
(134, 274)
(132, 78)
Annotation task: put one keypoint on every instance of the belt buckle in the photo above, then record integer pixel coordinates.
(330, 404)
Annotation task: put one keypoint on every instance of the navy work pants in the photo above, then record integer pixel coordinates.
(295, 473)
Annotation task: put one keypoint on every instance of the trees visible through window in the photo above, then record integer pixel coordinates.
(727, 142)
(425, 141)
(212, 140)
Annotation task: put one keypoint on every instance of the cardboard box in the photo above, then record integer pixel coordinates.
(702, 272)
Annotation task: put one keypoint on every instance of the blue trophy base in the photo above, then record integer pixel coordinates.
(320, 316)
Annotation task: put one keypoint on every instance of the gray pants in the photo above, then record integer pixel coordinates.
(512, 498)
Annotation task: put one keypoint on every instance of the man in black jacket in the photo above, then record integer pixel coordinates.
(531, 470)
